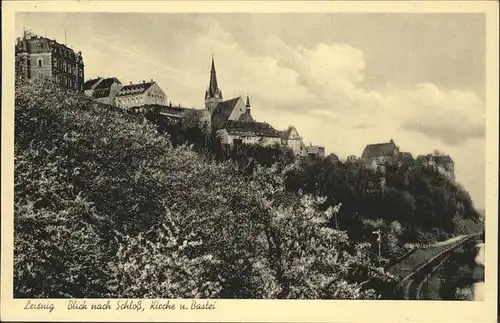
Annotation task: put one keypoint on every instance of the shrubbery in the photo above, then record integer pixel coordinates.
(106, 207)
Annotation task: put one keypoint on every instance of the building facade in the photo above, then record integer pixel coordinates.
(291, 139)
(103, 90)
(140, 94)
(42, 57)
(315, 151)
(251, 133)
(443, 163)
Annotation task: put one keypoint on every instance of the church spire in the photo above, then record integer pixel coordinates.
(213, 89)
(248, 102)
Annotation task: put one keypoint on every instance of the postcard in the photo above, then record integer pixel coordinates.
(249, 161)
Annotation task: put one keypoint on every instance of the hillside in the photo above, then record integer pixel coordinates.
(105, 206)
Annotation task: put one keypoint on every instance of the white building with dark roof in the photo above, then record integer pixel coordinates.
(291, 138)
(251, 133)
(103, 90)
(141, 94)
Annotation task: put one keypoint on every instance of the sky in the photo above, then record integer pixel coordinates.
(344, 80)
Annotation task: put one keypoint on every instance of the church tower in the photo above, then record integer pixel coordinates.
(213, 95)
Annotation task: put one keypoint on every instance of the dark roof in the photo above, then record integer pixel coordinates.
(221, 113)
(101, 93)
(439, 159)
(379, 150)
(135, 88)
(90, 83)
(107, 82)
(284, 135)
(251, 129)
(246, 117)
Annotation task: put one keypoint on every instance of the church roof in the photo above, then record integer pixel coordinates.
(135, 88)
(244, 128)
(222, 112)
(379, 150)
(247, 117)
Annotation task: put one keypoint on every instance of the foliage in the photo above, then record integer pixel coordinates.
(105, 206)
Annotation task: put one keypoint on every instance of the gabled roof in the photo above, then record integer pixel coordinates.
(222, 112)
(90, 83)
(283, 134)
(379, 150)
(107, 83)
(286, 133)
(243, 128)
(247, 117)
(100, 83)
(135, 88)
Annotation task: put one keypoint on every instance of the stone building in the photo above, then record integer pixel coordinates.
(39, 56)
(313, 150)
(293, 140)
(380, 153)
(252, 133)
(140, 94)
(443, 163)
(103, 90)
(377, 155)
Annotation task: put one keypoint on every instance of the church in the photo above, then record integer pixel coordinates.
(231, 120)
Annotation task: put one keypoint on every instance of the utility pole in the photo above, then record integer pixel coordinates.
(379, 240)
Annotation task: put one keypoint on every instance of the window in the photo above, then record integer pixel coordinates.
(40, 63)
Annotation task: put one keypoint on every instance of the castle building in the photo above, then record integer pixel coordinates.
(293, 140)
(443, 163)
(315, 151)
(103, 90)
(380, 153)
(140, 95)
(40, 56)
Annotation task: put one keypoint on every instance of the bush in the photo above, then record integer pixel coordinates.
(106, 207)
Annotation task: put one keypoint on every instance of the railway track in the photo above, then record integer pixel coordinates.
(410, 286)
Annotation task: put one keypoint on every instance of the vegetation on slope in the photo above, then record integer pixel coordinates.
(105, 206)
(415, 206)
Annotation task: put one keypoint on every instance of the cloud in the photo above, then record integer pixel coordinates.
(319, 88)
(451, 116)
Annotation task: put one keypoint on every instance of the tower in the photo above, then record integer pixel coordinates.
(213, 95)
(247, 105)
